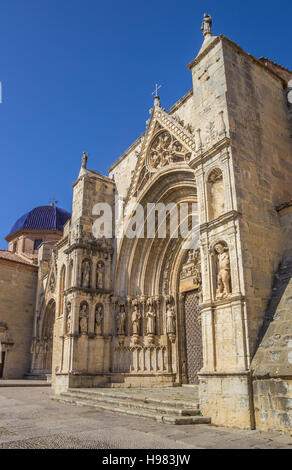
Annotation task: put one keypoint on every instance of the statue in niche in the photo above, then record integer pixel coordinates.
(85, 275)
(121, 319)
(100, 275)
(83, 320)
(170, 319)
(98, 320)
(224, 278)
(68, 318)
(150, 317)
(136, 321)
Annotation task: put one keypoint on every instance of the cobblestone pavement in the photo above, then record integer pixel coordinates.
(29, 419)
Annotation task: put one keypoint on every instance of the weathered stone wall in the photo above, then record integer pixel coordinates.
(261, 151)
(272, 363)
(18, 284)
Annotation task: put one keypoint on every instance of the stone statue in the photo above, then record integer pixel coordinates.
(85, 275)
(121, 319)
(136, 321)
(150, 324)
(98, 320)
(207, 25)
(170, 319)
(223, 281)
(83, 320)
(68, 318)
(84, 160)
(100, 275)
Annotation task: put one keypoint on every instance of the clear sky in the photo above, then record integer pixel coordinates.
(78, 75)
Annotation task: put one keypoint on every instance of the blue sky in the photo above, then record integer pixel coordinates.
(78, 75)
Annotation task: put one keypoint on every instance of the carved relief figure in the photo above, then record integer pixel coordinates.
(98, 320)
(83, 319)
(68, 318)
(136, 321)
(85, 274)
(121, 320)
(170, 319)
(100, 275)
(224, 278)
(150, 324)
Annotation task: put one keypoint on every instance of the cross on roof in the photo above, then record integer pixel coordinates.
(157, 87)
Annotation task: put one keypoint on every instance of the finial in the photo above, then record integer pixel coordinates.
(84, 160)
(207, 25)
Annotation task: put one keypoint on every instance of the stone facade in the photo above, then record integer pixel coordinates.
(224, 147)
(151, 310)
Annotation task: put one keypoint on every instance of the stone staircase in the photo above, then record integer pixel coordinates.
(169, 405)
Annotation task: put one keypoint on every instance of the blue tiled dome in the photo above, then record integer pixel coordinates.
(42, 218)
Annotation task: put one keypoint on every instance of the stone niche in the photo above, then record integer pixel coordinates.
(215, 191)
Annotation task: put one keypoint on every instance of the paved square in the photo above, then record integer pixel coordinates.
(31, 420)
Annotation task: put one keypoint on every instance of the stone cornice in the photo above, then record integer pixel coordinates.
(235, 46)
(202, 157)
(87, 290)
(221, 303)
(223, 219)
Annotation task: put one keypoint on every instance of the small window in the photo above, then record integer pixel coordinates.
(37, 244)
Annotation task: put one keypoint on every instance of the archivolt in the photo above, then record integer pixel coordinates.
(141, 263)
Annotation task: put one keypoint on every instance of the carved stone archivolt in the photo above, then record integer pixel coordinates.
(165, 150)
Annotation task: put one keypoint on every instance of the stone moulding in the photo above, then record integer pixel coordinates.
(222, 219)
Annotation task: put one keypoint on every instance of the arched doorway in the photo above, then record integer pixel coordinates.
(43, 349)
(149, 282)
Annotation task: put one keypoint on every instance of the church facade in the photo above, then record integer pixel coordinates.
(211, 308)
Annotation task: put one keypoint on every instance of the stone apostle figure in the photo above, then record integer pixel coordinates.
(83, 319)
(100, 275)
(170, 319)
(150, 324)
(121, 321)
(84, 160)
(98, 320)
(223, 282)
(68, 319)
(207, 24)
(136, 321)
(85, 275)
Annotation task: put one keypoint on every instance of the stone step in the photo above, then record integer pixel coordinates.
(155, 407)
(139, 397)
(142, 413)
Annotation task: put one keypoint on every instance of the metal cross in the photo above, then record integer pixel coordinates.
(157, 87)
(53, 201)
